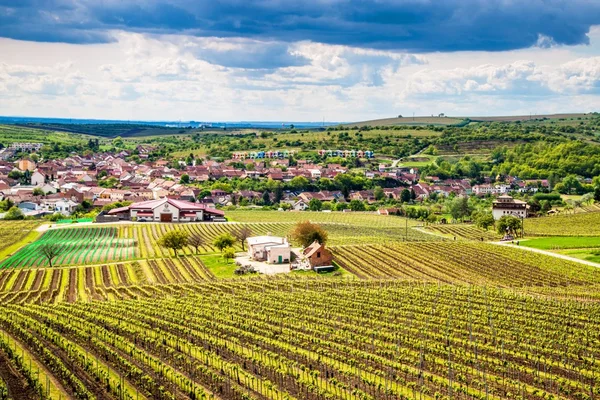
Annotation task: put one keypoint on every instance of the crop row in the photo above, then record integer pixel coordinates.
(254, 339)
(142, 278)
(13, 231)
(468, 232)
(77, 246)
(463, 262)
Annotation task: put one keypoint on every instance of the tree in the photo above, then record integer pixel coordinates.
(185, 179)
(223, 241)
(484, 220)
(228, 253)
(14, 213)
(378, 193)
(357, 205)
(38, 191)
(460, 208)
(175, 240)
(50, 251)
(242, 234)
(405, 196)
(315, 204)
(117, 142)
(196, 241)
(306, 233)
(597, 193)
(266, 198)
(299, 183)
(508, 224)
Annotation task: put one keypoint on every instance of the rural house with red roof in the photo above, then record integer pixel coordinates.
(168, 210)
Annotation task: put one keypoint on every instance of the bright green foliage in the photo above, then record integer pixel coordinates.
(174, 240)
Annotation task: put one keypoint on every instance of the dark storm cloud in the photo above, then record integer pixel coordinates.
(411, 25)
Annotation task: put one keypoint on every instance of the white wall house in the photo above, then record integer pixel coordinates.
(272, 249)
(506, 205)
(38, 179)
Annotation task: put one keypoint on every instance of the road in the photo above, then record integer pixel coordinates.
(549, 253)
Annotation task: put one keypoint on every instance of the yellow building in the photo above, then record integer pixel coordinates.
(26, 164)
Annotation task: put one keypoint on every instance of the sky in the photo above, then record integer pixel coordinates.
(310, 60)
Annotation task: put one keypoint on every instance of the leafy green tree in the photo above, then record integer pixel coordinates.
(484, 220)
(175, 240)
(315, 204)
(378, 193)
(357, 205)
(460, 208)
(305, 233)
(223, 241)
(185, 179)
(38, 191)
(228, 253)
(266, 198)
(117, 142)
(299, 183)
(510, 224)
(405, 196)
(14, 213)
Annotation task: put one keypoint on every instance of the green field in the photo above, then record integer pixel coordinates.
(563, 242)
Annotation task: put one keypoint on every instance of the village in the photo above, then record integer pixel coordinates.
(99, 181)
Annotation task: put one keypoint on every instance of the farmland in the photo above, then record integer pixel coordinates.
(462, 263)
(383, 339)
(463, 231)
(583, 224)
(13, 232)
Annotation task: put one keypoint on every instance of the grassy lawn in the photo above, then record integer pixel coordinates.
(565, 242)
(217, 265)
(338, 273)
(592, 255)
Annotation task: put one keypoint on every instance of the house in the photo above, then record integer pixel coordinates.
(506, 205)
(272, 249)
(38, 179)
(26, 165)
(65, 207)
(317, 255)
(168, 210)
(300, 205)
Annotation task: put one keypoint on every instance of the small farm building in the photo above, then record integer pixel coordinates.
(272, 249)
(317, 255)
(168, 210)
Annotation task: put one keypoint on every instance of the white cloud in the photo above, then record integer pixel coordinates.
(170, 77)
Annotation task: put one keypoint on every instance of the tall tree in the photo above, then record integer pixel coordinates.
(306, 233)
(223, 241)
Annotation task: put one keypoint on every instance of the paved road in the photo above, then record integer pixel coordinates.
(549, 253)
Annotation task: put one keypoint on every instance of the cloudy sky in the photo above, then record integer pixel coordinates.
(285, 60)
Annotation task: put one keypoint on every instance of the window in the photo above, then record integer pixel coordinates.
(318, 255)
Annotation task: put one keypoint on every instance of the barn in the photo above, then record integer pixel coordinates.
(168, 210)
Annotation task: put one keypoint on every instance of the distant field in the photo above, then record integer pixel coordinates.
(408, 121)
(513, 118)
(583, 224)
(564, 242)
(463, 231)
(14, 134)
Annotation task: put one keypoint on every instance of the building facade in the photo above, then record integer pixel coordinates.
(505, 205)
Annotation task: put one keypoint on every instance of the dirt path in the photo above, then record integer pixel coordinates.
(548, 253)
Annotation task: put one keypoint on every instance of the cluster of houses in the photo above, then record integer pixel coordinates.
(347, 153)
(262, 154)
(277, 250)
(62, 185)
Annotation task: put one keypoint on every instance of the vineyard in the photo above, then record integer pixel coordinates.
(254, 339)
(584, 224)
(462, 263)
(12, 232)
(468, 232)
(115, 281)
(126, 242)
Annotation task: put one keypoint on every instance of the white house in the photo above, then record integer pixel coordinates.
(38, 179)
(506, 205)
(272, 249)
(65, 207)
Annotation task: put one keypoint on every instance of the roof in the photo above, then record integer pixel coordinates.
(312, 249)
(265, 240)
(181, 205)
